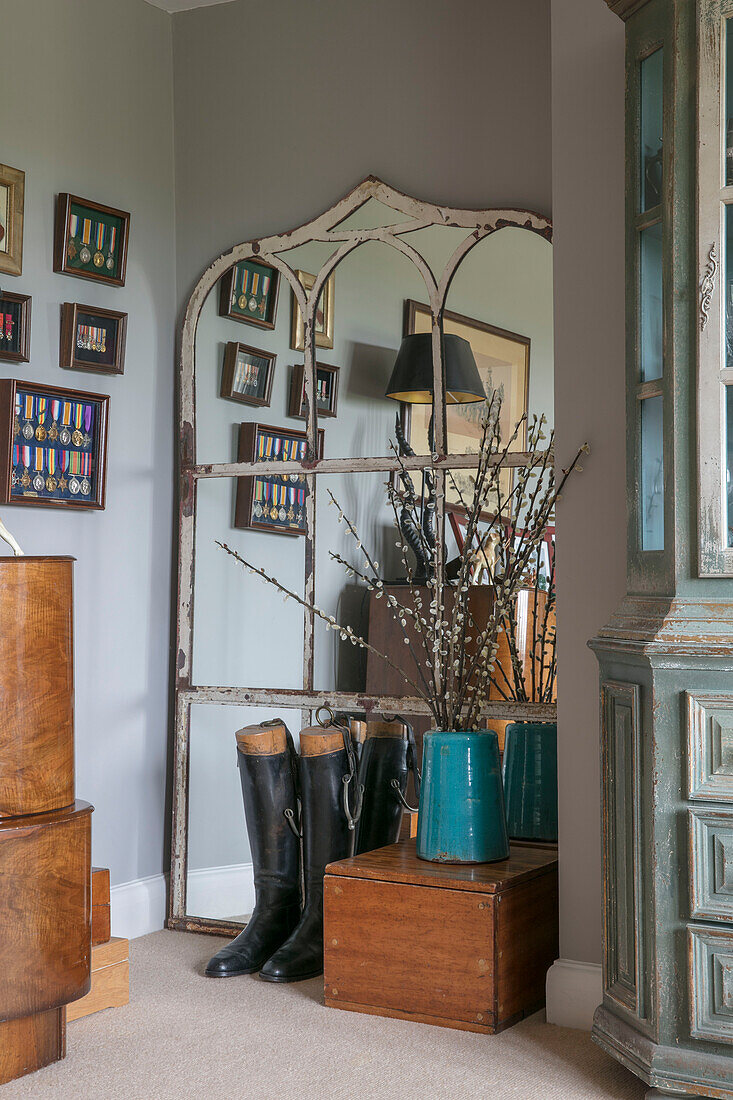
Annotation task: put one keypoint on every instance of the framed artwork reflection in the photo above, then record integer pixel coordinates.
(92, 339)
(324, 314)
(248, 293)
(327, 386)
(12, 200)
(275, 502)
(15, 327)
(90, 240)
(247, 374)
(502, 358)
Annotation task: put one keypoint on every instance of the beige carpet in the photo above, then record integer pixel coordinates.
(183, 1035)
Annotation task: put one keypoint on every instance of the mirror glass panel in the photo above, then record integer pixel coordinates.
(245, 635)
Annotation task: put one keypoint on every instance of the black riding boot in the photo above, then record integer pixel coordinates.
(358, 730)
(267, 768)
(385, 761)
(326, 837)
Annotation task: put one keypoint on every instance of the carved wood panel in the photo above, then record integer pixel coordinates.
(624, 977)
(711, 983)
(711, 863)
(710, 746)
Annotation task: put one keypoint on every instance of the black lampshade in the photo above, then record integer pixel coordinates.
(412, 376)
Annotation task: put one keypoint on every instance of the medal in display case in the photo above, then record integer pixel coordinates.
(15, 327)
(92, 339)
(248, 293)
(53, 445)
(327, 388)
(90, 240)
(275, 502)
(247, 374)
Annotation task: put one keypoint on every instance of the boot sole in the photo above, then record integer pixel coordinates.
(294, 978)
(232, 974)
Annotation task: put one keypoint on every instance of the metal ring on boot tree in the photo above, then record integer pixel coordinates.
(329, 712)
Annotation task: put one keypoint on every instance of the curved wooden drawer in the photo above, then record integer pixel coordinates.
(45, 910)
(36, 685)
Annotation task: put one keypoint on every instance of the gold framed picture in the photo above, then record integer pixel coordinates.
(502, 358)
(12, 199)
(324, 314)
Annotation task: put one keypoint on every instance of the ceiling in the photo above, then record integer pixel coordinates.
(185, 5)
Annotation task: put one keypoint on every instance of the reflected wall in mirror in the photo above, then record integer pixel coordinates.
(245, 655)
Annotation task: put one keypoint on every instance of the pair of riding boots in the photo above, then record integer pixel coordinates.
(346, 789)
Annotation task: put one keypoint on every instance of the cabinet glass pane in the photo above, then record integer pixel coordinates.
(651, 303)
(729, 465)
(728, 175)
(651, 129)
(652, 475)
(727, 303)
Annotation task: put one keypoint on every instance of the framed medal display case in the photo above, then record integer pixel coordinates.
(247, 374)
(90, 240)
(15, 327)
(53, 445)
(92, 339)
(327, 386)
(275, 502)
(248, 293)
(323, 317)
(12, 198)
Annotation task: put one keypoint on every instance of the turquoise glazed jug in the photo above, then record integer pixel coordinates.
(461, 818)
(530, 780)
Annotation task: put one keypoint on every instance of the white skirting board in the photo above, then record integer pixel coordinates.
(140, 907)
(574, 992)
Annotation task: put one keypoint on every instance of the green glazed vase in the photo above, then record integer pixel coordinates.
(530, 780)
(461, 818)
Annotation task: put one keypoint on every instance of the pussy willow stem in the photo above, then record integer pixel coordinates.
(322, 615)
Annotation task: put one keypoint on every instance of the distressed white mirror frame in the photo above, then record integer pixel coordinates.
(327, 228)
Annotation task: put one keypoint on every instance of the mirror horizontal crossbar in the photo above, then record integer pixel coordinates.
(385, 464)
(355, 701)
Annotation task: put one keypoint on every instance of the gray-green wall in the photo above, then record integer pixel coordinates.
(282, 107)
(87, 107)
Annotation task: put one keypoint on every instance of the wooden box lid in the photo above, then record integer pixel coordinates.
(399, 863)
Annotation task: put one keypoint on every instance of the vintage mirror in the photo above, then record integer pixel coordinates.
(287, 351)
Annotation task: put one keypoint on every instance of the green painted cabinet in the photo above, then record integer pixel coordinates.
(666, 656)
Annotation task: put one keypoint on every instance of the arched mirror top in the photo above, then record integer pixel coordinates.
(372, 211)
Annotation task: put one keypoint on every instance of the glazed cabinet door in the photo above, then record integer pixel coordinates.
(714, 312)
(650, 60)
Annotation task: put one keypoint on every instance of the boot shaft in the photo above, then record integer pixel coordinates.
(384, 762)
(324, 763)
(268, 775)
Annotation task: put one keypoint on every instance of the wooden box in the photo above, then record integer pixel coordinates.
(37, 695)
(101, 913)
(386, 635)
(110, 980)
(463, 946)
